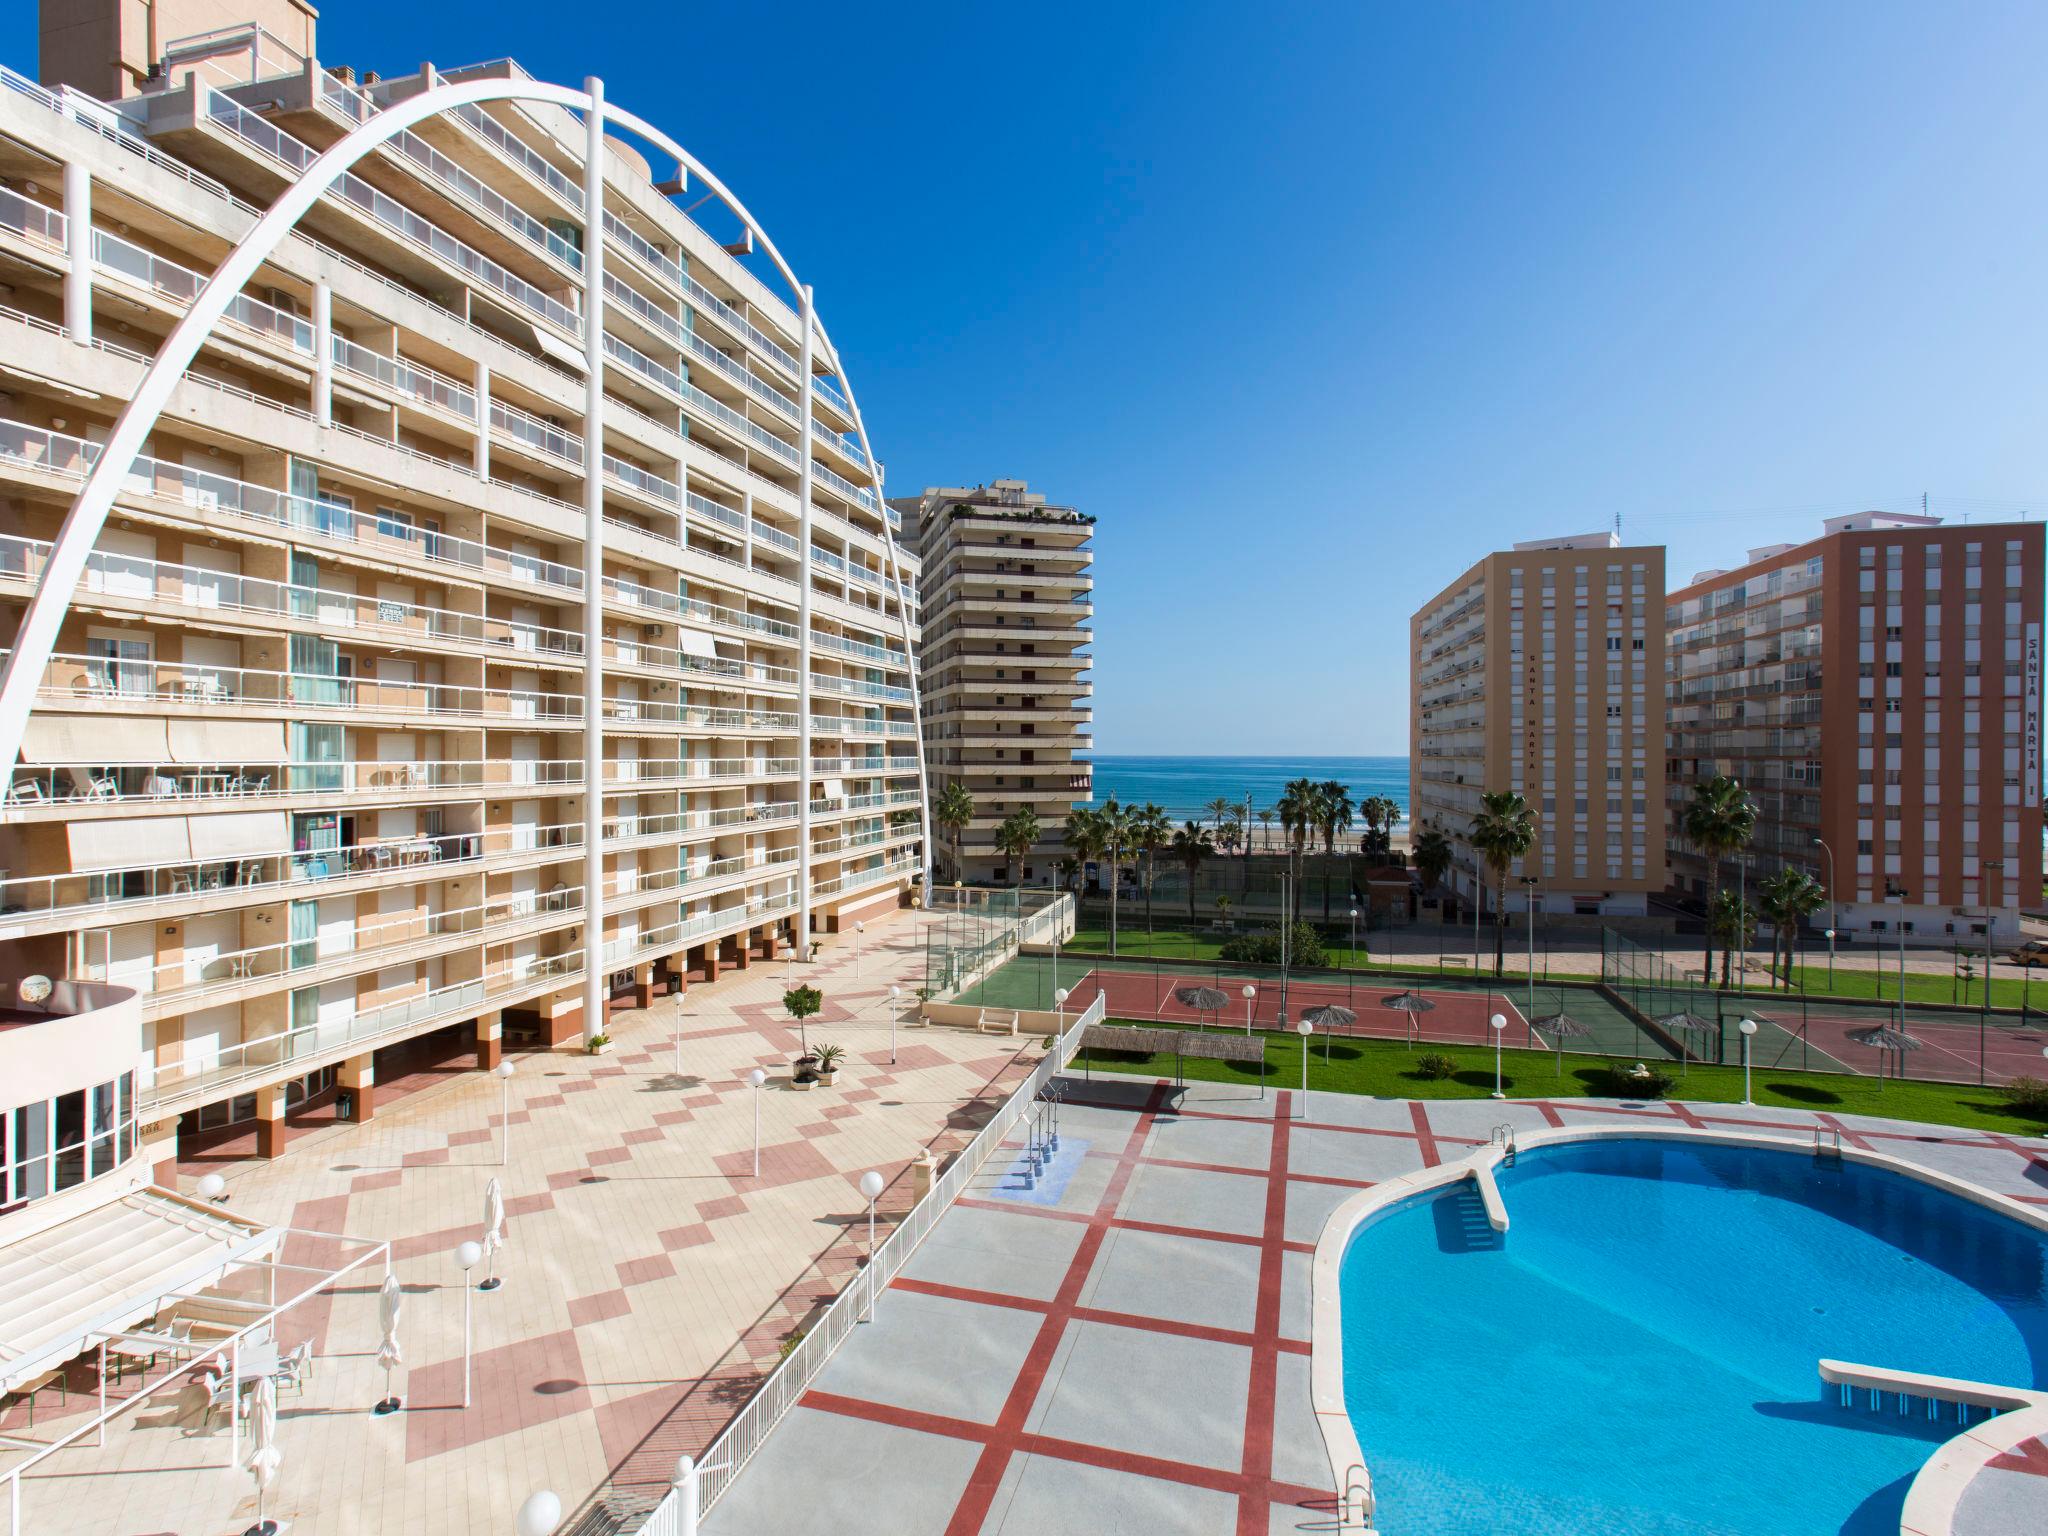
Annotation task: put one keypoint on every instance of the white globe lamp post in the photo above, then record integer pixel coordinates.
(539, 1515)
(1250, 996)
(895, 1008)
(505, 1071)
(1748, 1028)
(1498, 1024)
(467, 1257)
(755, 1079)
(871, 1184)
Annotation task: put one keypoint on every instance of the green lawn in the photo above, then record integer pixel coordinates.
(1386, 1069)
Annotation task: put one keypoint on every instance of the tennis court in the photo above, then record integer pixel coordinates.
(1448, 1017)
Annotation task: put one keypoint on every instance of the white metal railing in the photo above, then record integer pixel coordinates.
(405, 378)
(32, 221)
(38, 448)
(269, 140)
(121, 682)
(515, 149)
(785, 1386)
(701, 298)
(197, 973)
(542, 436)
(159, 581)
(181, 285)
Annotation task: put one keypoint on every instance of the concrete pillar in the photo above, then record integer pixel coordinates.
(78, 251)
(490, 1039)
(924, 1173)
(711, 962)
(323, 353)
(643, 986)
(770, 937)
(270, 1132)
(159, 1144)
(483, 420)
(742, 952)
(562, 1021)
(358, 1078)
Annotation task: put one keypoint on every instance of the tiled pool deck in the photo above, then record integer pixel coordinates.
(1124, 1349)
(650, 1276)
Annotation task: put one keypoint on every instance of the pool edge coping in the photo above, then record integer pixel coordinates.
(1937, 1488)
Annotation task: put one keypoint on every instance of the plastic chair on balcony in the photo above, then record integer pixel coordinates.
(25, 792)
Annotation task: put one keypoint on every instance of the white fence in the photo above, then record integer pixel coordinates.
(679, 1512)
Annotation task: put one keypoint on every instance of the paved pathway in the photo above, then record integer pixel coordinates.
(650, 1278)
(1124, 1348)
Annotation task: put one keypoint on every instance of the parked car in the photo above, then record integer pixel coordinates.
(2033, 952)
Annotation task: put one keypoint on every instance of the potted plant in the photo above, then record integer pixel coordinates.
(828, 1063)
(816, 945)
(801, 1003)
(598, 1045)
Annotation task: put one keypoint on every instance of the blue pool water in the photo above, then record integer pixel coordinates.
(1638, 1353)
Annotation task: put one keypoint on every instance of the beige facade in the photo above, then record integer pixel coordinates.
(307, 768)
(1539, 671)
(1008, 594)
(1877, 690)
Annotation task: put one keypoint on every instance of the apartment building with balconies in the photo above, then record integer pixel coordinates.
(1008, 600)
(1538, 670)
(1877, 691)
(307, 770)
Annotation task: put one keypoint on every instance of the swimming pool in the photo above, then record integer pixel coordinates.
(1638, 1352)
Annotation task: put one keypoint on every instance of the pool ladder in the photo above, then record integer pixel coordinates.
(1827, 1142)
(1357, 1481)
(1503, 1136)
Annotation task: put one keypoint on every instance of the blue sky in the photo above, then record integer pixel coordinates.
(1312, 305)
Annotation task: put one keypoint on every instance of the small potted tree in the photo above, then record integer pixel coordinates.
(801, 1003)
(829, 1057)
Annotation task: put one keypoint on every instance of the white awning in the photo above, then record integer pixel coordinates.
(137, 843)
(735, 647)
(694, 642)
(108, 1269)
(227, 741)
(560, 351)
(835, 789)
(98, 739)
(239, 835)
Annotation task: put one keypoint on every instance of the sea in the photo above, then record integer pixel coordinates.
(1184, 786)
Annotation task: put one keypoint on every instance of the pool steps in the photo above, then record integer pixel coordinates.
(1871, 1385)
(1489, 1197)
(1823, 1146)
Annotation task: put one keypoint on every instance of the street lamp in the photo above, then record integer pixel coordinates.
(1748, 1028)
(1059, 1005)
(1529, 913)
(871, 1186)
(755, 1079)
(1498, 1024)
(1834, 912)
(1250, 993)
(1354, 938)
(213, 1189)
(539, 1515)
(504, 1071)
(1303, 1029)
(467, 1256)
(895, 1007)
(860, 930)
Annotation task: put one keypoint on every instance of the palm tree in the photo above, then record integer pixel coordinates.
(1070, 875)
(1333, 807)
(1083, 834)
(1191, 845)
(1114, 822)
(1503, 832)
(1788, 898)
(1432, 857)
(1151, 827)
(1733, 921)
(1266, 831)
(1719, 820)
(1299, 814)
(1016, 836)
(952, 811)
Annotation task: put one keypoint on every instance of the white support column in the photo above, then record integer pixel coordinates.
(746, 529)
(803, 629)
(78, 250)
(483, 420)
(593, 563)
(323, 353)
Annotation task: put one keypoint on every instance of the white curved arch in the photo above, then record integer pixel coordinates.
(36, 638)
